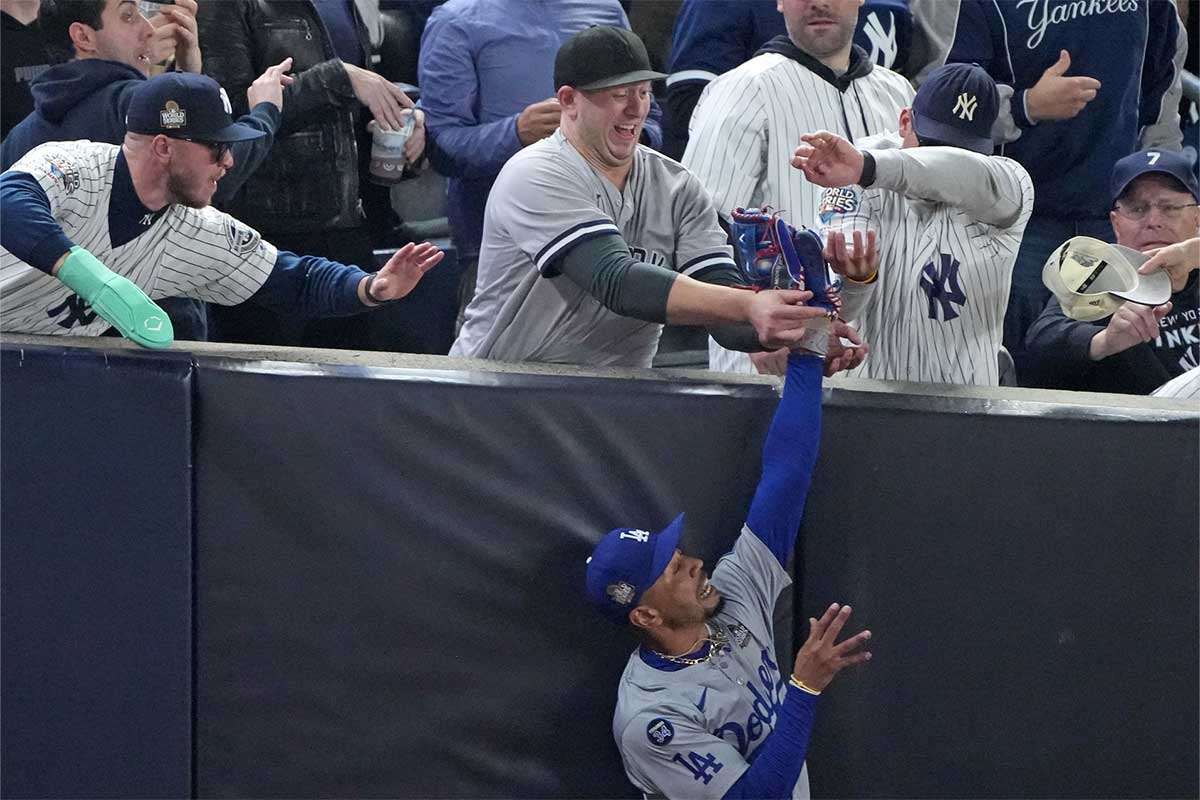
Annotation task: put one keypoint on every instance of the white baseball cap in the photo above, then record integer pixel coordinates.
(1091, 278)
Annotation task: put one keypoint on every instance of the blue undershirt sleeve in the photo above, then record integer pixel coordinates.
(311, 287)
(789, 456)
(778, 762)
(30, 231)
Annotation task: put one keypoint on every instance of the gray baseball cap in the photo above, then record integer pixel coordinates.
(602, 56)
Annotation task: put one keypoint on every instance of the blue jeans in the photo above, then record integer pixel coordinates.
(1028, 295)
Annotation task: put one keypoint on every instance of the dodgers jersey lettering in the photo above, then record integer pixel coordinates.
(548, 199)
(185, 252)
(747, 125)
(691, 732)
(949, 224)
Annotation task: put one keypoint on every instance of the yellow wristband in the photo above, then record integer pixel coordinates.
(799, 684)
(869, 279)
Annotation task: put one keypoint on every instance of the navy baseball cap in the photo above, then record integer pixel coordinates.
(625, 564)
(602, 56)
(1166, 162)
(957, 105)
(184, 105)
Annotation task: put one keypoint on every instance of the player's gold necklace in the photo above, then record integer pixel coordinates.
(717, 641)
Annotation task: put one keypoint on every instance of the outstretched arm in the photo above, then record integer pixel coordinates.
(789, 456)
(988, 189)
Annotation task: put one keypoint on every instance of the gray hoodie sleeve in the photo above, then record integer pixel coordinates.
(987, 188)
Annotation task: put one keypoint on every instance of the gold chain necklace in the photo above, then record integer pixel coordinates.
(717, 641)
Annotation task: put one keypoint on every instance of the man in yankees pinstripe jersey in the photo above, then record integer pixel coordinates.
(949, 217)
(750, 119)
(89, 226)
(591, 241)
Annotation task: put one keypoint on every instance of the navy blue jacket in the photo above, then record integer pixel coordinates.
(88, 98)
(1130, 46)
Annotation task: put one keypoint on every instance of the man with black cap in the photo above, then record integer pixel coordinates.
(703, 708)
(91, 228)
(592, 241)
(1138, 348)
(948, 218)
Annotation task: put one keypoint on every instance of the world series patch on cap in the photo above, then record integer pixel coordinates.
(1092, 279)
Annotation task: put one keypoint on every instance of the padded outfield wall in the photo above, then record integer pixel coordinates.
(228, 573)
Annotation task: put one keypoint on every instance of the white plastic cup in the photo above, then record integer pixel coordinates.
(387, 151)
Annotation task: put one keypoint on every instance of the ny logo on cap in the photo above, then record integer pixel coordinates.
(641, 536)
(965, 107)
(172, 116)
(621, 593)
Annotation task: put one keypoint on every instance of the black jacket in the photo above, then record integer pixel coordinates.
(310, 179)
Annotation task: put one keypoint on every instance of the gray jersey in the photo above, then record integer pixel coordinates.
(547, 200)
(747, 125)
(949, 224)
(187, 252)
(691, 732)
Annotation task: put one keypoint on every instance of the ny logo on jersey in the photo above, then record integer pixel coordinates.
(77, 311)
(940, 284)
(882, 39)
(965, 107)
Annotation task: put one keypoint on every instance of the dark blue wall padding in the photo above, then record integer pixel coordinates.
(1031, 579)
(390, 571)
(95, 569)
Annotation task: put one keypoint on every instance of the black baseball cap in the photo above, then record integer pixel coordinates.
(602, 56)
(957, 105)
(1166, 162)
(184, 105)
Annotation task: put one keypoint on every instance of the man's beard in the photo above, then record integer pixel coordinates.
(823, 46)
(181, 195)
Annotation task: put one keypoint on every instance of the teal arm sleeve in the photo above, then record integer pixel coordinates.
(117, 299)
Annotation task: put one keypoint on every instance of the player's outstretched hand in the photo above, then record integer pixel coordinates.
(268, 87)
(1177, 260)
(404, 269)
(827, 159)
(779, 317)
(384, 98)
(1133, 324)
(822, 656)
(841, 356)
(857, 262)
(1055, 96)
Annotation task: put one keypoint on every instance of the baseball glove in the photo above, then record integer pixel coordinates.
(771, 254)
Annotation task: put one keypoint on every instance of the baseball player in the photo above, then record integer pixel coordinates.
(591, 241)
(949, 219)
(703, 709)
(88, 227)
(749, 120)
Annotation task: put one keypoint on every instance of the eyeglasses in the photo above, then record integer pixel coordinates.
(1138, 211)
(218, 149)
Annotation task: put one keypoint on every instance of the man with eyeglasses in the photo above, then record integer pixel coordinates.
(90, 229)
(1156, 210)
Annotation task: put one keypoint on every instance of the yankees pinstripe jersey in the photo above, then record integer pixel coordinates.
(1183, 387)
(547, 200)
(750, 120)
(690, 732)
(949, 224)
(184, 252)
